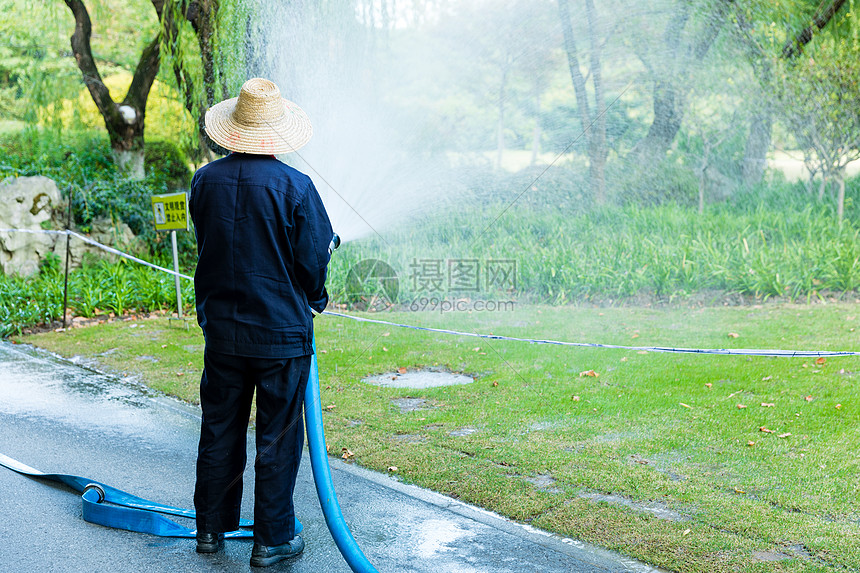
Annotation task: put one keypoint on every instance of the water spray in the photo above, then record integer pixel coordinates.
(343, 538)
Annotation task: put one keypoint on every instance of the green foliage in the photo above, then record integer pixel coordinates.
(97, 288)
(82, 162)
(747, 247)
(670, 182)
(164, 161)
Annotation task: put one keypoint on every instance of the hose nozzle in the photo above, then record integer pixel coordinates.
(335, 243)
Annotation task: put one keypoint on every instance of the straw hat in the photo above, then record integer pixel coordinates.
(258, 121)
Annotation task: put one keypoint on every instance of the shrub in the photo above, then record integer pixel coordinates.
(165, 162)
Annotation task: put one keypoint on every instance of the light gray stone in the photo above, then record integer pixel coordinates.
(26, 203)
(35, 204)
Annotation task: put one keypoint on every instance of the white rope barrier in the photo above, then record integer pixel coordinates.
(100, 246)
(717, 351)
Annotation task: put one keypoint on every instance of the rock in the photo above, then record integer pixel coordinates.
(26, 203)
(35, 204)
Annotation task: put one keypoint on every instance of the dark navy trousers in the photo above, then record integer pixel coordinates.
(226, 390)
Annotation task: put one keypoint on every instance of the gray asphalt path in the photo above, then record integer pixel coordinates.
(61, 418)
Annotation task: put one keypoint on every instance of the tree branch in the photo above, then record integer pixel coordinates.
(84, 57)
(794, 47)
(573, 64)
(144, 76)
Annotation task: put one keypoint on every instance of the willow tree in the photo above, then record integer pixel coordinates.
(209, 46)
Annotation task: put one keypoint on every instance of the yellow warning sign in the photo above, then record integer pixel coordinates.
(171, 211)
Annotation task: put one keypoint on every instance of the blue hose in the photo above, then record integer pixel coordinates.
(322, 476)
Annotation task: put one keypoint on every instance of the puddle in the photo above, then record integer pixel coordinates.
(462, 432)
(410, 404)
(409, 438)
(770, 556)
(544, 482)
(656, 508)
(418, 379)
(436, 536)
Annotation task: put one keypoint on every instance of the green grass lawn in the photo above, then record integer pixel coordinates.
(691, 463)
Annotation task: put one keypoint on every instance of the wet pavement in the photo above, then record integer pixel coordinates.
(62, 418)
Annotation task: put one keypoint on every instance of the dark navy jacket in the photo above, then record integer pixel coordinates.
(262, 241)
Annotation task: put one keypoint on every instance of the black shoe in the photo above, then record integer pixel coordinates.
(265, 555)
(209, 542)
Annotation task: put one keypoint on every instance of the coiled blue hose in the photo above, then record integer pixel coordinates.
(322, 476)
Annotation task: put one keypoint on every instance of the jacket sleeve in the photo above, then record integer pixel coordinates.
(311, 235)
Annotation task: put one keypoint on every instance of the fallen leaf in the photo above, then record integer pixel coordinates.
(386, 334)
(384, 349)
(476, 349)
(741, 406)
(323, 351)
(685, 532)
(623, 359)
(739, 490)
(330, 407)
(392, 468)
(821, 360)
(495, 383)
(189, 364)
(635, 335)
(347, 454)
(642, 352)
(766, 378)
(164, 346)
(708, 384)
(808, 398)
(685, 405)
(765, 430)
(804, 365)
(734, 335)
(785, 435)
(575, 398)
(767, 404)
(401, 370)
(750, 444)
(591, 373)
(180, 373)
(838, 406)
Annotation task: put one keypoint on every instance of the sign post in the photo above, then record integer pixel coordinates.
(171, 213)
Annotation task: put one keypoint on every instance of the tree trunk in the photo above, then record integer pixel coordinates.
(500, 127)
(597, 151)
(200, 14)
(124, 121)
(670, 89)
(840, 196)
(130, 162)
(593, 128)
(757, 146)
